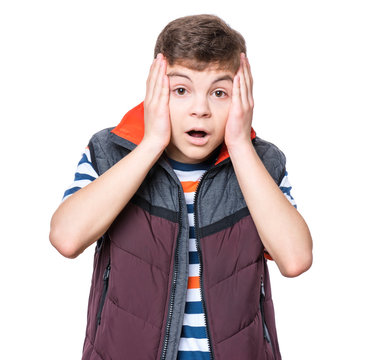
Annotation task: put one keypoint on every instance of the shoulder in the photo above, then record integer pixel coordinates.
(104, 152)
(266, 149)
(273, 158)
(102, 136)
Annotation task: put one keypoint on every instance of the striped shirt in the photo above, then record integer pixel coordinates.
(84, 174)
(193, 340)
(193, 343)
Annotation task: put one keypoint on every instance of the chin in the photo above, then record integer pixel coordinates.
(198, 156)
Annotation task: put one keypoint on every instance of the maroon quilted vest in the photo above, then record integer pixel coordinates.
(139, 282)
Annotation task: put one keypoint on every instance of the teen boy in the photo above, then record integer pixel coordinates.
(186, 203)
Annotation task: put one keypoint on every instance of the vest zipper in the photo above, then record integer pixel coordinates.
(266, 331)
(173, 286)
(172, 297)
(103, 295)
(201, 268)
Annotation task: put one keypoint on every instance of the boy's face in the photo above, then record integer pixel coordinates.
(200, 101)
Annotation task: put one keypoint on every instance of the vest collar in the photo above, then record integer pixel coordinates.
(131, 128)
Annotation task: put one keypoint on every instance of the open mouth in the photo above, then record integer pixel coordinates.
(195, 133)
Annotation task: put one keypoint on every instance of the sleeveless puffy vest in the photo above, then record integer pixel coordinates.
(140, 274)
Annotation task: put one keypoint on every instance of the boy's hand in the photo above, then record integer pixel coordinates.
(157, 124)
(238, 125)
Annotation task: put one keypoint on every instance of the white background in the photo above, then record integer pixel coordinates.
(71, 68)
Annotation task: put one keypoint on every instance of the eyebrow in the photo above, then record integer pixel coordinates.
(224, 77)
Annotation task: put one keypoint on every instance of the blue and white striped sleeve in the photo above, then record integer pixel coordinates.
(85, 174)
(285, 187)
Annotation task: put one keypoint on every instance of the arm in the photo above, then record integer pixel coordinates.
(282, 230)
(85, 216)
(82, 218)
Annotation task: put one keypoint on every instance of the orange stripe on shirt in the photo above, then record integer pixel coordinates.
(189, 186)
(193, 282)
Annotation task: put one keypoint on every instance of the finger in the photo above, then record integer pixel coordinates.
(151, 70)
(236, 104)
(249, 71)
(249, 81)
(148, 81)
(159, 80)
(150, 85)
(165, 91)
(243, 85)
(236, 95)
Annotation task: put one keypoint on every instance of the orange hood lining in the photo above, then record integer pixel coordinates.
(131, 128)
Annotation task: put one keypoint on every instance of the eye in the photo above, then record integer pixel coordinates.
(220, 93)
(180, 91)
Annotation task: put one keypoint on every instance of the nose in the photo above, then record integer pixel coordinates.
(200, 107)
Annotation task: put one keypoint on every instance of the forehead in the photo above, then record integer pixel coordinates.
(211, 73)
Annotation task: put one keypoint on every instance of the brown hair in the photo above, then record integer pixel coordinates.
(199, 41)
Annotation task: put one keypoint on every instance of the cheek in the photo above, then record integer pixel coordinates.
(173, 107)
(177, 108)
(222, 112)
(176, 117)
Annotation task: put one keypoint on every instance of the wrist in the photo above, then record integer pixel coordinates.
(240, 148)
(152, 146)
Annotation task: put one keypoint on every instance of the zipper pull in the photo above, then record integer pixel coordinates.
(103, 294)
(262, 287)
(106, 273)
(262, 297)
